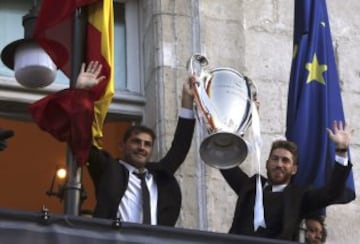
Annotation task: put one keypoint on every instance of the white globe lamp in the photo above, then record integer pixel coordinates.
(32, 65)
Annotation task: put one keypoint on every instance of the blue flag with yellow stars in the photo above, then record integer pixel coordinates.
(314, 99)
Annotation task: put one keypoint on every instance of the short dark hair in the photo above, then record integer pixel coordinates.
(288, 145)
(321, 219)
(136, 129)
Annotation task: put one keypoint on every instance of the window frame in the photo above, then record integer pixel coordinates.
(127, 103)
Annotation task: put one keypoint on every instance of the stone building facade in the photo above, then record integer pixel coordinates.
(254, 37)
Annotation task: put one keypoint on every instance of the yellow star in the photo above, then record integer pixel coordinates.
(315, 71)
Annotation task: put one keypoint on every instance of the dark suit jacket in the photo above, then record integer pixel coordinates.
(296, 201)
(111, 178)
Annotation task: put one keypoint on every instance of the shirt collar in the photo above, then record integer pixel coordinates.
(276, 188)
(131, 168)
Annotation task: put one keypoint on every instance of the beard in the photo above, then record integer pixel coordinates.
(278, 176)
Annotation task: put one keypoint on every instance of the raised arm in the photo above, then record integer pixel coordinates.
(187, 99)
(321, 197)
(341, 136)
(89, 76)
(184, 131)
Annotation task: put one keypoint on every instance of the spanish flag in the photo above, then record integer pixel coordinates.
(76, 116)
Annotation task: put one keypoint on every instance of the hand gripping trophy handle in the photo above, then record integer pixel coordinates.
(223, 107)
(196, 66)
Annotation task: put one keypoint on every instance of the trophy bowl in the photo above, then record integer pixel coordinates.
(223, 99)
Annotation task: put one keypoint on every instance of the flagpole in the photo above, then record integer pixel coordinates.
(72, 194)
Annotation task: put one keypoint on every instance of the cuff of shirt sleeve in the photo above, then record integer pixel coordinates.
(186, 113)
(341, 160)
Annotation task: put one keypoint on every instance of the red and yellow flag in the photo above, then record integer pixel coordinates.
(101, 27)
(73, 115)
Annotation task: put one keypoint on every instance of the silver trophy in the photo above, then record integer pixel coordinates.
(223, 99)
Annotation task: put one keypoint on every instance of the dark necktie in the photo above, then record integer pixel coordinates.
(145, 198)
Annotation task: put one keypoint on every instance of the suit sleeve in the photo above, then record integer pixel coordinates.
(235, 177)
(97, 161)
(180, 145)
(318, 198)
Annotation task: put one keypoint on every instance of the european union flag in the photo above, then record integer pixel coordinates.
(314, 100)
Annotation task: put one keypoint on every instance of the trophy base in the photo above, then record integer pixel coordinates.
(223, 150)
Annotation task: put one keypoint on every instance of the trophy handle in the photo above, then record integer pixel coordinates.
(253, 98)
(196, 67)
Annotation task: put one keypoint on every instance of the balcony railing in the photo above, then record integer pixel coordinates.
(29, 227)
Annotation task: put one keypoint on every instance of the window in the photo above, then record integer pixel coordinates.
(14, 99)
(11, 13)
(120, 46)
(127, 65)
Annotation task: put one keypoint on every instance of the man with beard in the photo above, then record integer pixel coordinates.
(284, 204)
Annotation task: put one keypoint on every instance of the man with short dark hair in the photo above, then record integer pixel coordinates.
(134, 189)
(284, 204)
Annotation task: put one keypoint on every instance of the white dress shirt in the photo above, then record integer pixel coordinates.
(130, 207)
